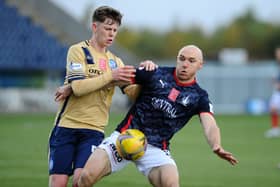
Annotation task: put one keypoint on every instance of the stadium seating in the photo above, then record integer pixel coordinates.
(27, 46)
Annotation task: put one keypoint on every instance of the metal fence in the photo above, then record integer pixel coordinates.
(233, 89)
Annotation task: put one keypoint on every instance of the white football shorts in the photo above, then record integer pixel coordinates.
(275, 100)
(153, 156)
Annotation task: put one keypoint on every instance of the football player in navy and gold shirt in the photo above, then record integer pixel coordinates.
(92, 73)
(169, 98)
(91, 110)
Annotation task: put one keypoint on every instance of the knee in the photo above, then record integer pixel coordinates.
(58, 180)
(85, 179)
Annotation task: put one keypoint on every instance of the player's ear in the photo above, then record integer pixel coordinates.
(94, 26)
(201, 64)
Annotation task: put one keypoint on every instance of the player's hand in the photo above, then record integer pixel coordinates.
(148, 65)
(124, 74)
(226, 155)
(62, 92)
(117, 83)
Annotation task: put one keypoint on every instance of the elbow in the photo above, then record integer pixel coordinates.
(214, 130)
(77, 93)
(132, 91)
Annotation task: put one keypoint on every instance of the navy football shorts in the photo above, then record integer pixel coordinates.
(70, 148)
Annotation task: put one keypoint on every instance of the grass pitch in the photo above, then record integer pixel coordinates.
(24, 139)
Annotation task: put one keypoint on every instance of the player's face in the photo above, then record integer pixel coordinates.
(105, 32)
(189, 61)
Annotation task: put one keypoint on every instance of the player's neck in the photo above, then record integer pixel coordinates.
(186, 82)
(94, 44)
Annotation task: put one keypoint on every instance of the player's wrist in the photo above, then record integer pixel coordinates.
(216, 151)
(216, 148)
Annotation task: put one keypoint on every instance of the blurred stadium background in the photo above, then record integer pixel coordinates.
(34, 38)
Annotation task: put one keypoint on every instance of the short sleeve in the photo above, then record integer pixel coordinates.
(205, 105)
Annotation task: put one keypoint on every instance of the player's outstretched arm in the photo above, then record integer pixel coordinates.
(212, 134)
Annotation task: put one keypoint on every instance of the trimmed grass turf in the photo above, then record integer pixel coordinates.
(24, 138)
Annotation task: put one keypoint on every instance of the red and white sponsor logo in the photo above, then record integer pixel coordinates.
(102, 64)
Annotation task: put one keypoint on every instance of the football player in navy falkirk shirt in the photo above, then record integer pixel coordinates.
(168, 99)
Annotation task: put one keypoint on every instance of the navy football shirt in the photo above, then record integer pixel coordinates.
(164, 105)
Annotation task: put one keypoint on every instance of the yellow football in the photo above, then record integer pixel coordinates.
(131, 144)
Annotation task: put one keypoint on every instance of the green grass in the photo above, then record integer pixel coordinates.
(24, 138)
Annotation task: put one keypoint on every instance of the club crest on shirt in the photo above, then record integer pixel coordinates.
(173, 94)
(112, 64)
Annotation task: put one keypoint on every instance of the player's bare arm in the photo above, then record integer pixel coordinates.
(212, 134)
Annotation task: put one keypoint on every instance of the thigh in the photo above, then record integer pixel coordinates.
(61, 143)
(154, 157)
(109, 145)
